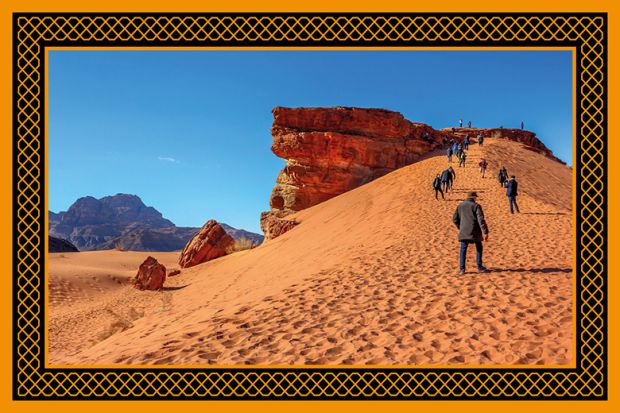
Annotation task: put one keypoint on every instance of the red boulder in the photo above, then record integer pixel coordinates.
(210, 242)
(151, 275)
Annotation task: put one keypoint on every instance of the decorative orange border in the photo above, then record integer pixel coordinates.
(33, 33)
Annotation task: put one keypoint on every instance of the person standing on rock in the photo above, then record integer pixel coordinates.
(466, 142)
(483, 167)
(469, 219)
(522, 126)
(449, 153)
(511, 193)
(469, 124)
(445, 178)
(480, 139)
(461, 123)
(437, 188)
(455, 148)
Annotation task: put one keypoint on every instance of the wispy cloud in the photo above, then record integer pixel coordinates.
(168, 159)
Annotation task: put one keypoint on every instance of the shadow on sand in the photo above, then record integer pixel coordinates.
(174, 288)
(544, 213)
(464, 191)
(536, 270)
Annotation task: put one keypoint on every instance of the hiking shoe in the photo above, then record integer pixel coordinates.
(462, 272)
(483, 269)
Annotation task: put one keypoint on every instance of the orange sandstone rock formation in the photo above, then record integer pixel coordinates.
(209, 243)
(329, 151)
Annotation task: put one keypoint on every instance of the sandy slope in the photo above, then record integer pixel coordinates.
(369, 277)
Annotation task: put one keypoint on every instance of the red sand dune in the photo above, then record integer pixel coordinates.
(367, 277)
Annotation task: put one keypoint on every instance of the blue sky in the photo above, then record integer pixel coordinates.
(188, 131)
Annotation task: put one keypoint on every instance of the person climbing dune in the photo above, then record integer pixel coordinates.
(437, 187)
(483, 167)
(452, 177)
(502, 176)
(469, 219)
(445, 180)
(462, 159)
(511, 193)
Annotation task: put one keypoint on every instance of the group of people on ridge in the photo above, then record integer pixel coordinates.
(469, 216)
(458, 149)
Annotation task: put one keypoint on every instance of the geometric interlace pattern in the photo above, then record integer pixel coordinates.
(32, 33)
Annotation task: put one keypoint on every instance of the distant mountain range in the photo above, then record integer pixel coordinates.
(122, 221)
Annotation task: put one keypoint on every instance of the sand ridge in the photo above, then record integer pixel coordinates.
(369, 277)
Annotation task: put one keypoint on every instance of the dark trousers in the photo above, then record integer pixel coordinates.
(513, 201)
(439, 191)
(445, 186)
(464, 245)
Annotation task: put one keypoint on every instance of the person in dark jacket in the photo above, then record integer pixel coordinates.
(462, 159)
(502, 176)
(511, 193)
(469, 219)
(452, 177)
(437, 187)
(480, 139)
(466, 142)
(445, 177)
(483, 167)
(449, 153)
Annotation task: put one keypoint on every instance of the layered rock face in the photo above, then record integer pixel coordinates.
(274, 224)
(329, 151)
(209, 243)
(60, 245)
(527, 138)
(151, 275)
